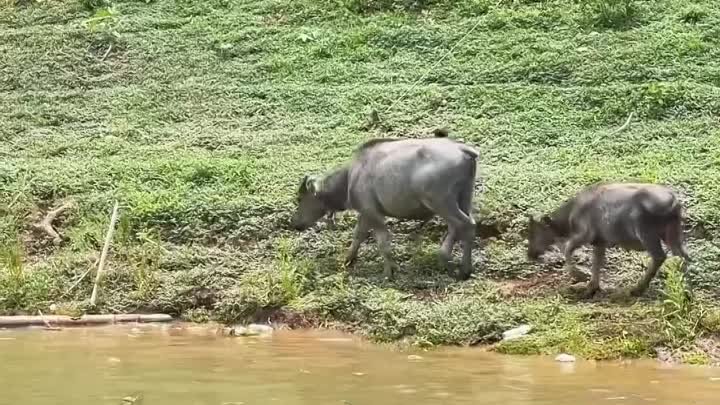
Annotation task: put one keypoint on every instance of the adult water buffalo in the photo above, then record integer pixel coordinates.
(626, 215)
(400, 178)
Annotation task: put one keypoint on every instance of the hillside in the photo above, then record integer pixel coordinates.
(201, 117)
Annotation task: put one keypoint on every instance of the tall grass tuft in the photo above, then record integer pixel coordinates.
(680, 315)
(294, 272)
(12, 276)
(612, 13)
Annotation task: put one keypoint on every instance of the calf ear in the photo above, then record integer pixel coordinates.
(303, 184)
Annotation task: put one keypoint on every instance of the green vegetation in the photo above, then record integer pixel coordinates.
(202, 116)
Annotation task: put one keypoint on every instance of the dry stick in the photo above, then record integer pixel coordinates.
(436, 64)
(625, 125)
(82, 277)
(103, 255)
(106, 53)
(46, 224)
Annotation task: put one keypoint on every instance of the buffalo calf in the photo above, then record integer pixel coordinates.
(627, 215)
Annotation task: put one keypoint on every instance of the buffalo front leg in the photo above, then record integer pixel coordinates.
(572, 244)
(360, 235)
(446, 248)
(657, 254)
(383, 239)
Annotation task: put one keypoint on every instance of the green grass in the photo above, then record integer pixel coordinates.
(202, 116)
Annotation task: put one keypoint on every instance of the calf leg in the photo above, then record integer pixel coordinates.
(360, 235)
(654, 247)
(597, 265)
(572, 244)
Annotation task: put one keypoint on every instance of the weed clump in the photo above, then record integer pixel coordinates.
(373, 6)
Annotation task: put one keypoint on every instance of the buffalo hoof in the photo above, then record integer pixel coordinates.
(349, 262)
(578, 275)
(589, 292)
(463, 275)
(389, 271)
(638, 291)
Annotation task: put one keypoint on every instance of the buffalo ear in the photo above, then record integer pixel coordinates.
(546, 220)
(311, 183)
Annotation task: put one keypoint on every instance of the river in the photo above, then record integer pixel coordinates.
(192, 365)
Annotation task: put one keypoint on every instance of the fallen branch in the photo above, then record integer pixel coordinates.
(64, 320)
(46, 224)
(103, 255)
(47, 324)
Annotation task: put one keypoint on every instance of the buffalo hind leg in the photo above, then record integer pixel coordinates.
(654, 248)
(462, 227)
(674, 240)
(467, 229)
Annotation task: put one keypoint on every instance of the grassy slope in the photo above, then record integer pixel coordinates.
(205, 114)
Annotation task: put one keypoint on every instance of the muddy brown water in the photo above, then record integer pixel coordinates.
(187, 364)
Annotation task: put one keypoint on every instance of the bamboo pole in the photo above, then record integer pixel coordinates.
(103, 256)
(64, 320)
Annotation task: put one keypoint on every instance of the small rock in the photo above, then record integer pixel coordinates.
(714, 378)
(516, 333)
(359, 374)
(414, 357)
(565, 358)
(260, 329)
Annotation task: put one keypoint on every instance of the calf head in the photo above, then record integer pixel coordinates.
(310, 205)
(541, 235)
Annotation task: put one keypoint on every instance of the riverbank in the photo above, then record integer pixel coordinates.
(200, 118)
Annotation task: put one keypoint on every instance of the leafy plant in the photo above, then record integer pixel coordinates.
(103, 23)
(612, 13)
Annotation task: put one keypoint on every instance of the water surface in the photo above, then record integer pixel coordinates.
(185, 364)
